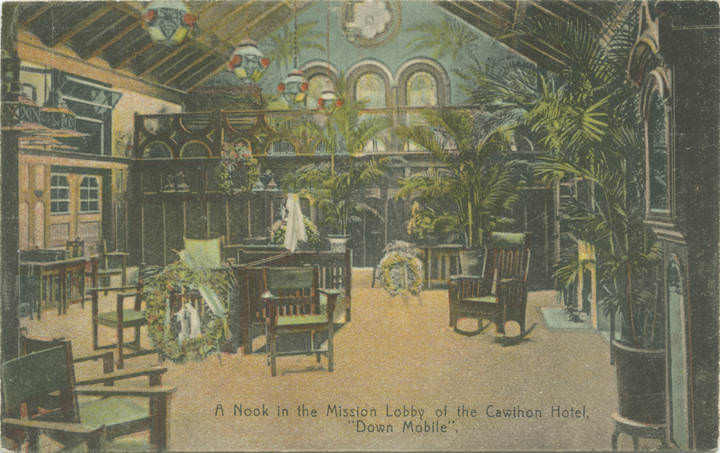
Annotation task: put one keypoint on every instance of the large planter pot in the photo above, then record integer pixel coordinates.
(338, 242)
(471, 261)
(640, 383)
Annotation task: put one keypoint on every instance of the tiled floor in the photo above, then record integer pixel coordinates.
(397, 353)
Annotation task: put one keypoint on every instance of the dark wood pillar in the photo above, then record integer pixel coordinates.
(9, 207)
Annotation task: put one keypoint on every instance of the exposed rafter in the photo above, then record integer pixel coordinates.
(120, 35)
(82, 25)
(134, 55)
(187, 68)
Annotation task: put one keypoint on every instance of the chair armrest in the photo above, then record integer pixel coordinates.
(74, 429)
(157, 391)
(106, 357)
(331, 292)
(154, 373)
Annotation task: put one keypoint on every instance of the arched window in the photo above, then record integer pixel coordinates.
(59, 194)
(89, 195)
(370, 89)
(422, 90)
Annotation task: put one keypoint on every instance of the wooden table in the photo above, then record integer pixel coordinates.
(61, 281)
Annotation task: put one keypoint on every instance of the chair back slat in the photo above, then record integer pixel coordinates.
(36, 374)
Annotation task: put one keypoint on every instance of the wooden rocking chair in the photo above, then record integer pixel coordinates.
(500, 294)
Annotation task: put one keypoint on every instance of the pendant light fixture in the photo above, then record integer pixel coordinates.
(294, 86)
(168, 23)
(247, 62)
(328, 99)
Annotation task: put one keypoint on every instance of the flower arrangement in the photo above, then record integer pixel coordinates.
(238, 170)
(401, 272)
(311, 231)
(161, 328)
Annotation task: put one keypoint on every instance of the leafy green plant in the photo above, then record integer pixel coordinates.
(585, 117)
(477, 186)
(443, 37)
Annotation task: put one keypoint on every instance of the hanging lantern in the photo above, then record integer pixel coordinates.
(247, 61)
(59, 117)
(168, 23)
(328, 99)
(293, 88)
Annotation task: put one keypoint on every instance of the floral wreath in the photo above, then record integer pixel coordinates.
(214, 330)
(238, 170)
(392, 264)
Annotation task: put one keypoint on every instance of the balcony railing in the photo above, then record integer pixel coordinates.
(265, 133)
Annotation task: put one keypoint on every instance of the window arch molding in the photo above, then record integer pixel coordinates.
(364, 67)
(317, 68)
(407, 69)
(656, 86)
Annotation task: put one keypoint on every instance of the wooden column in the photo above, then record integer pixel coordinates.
(9, 203)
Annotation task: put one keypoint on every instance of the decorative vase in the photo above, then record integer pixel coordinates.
(640, 383)
(338, 242)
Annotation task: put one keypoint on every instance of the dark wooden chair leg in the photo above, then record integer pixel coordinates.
(94, 303)
(120, 362)
(331, 362)
(273, 354)
(636, 443)
(614, 439)
(159, 431)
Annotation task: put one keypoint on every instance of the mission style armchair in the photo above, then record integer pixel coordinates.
(293, 306)
(500, 293)
(29, 380)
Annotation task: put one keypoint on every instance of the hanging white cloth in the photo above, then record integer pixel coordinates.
(189, 323)
(295, 228)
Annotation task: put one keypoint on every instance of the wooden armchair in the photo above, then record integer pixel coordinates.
(500, 293)
(292, 306)
(30, 378)
(121, 318)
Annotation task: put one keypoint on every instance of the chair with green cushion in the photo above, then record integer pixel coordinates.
(94, 421)
(292, 306)
(500, 293)
(122, 317)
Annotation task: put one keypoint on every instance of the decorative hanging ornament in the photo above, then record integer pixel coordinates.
(247, 61)
(293, 88)
(168, 23)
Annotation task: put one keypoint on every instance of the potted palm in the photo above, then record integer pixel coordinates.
(469, 195)
(339, 187)
(586, 119)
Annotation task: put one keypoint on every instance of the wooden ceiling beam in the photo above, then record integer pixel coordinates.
(134, 55)
(473, 14)
(480, 6)
(252, 24)
(190, 55)
(248, 27)
(82, 25)
(546, 11)
(191, 76)
(543, 52)
(584, 11)
(187, 68)
(40, 11)
(115, 39)
(162, 60)
(229, 16)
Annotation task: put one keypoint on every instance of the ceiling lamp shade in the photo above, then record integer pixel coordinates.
(293, 88)
(168, 23)
(247, 61)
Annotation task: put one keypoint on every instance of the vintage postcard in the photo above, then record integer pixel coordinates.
(368, 225)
